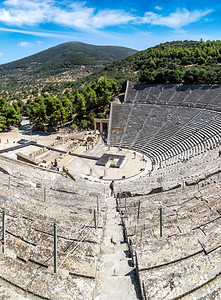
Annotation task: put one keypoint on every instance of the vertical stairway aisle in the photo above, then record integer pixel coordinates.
(116, 278)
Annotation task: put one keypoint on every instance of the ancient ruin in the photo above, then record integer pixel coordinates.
(64, 237)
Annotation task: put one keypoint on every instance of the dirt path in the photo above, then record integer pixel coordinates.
(116, 276)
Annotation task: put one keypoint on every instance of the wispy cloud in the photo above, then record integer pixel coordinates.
(78, 16)
(178, 19)
(36, 33)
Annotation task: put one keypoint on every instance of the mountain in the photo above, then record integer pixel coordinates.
(64, 57)
(65, 62)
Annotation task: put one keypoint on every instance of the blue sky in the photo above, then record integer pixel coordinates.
(30, 26)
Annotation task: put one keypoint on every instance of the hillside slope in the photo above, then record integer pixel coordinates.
(172, 62)
(65, 62)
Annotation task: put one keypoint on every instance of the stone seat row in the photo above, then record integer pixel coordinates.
(185, 260)
(195, 277)
(176, 94)
(38, 177)
(42, 282)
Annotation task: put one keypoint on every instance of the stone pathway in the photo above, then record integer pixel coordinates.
(116, 277)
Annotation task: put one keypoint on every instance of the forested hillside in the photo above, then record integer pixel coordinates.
(172, 62)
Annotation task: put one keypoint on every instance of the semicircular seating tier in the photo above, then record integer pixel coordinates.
(166, 121)
(33, 200)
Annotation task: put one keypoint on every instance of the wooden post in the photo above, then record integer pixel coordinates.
(138, 212)
(95, 220)
(161, 222)
(44, 194)
(3, 230)
(184, 184)
(55, 248)
(117, 203)
(98, 204)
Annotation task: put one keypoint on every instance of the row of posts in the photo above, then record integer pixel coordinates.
(95, 213)
(55, 234)
(4, 239)
(138, 211)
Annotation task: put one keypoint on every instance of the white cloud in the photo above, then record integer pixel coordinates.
(111, 17)
(158, 7)
(77, 15)
(84, 18)
(178, 19)
(28, 45)
(14, 12)
(24, 44)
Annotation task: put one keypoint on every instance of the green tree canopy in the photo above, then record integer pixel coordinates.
(106, 89)
(9, 114)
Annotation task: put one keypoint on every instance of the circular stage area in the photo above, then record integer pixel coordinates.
(131, 165)
(89, 160)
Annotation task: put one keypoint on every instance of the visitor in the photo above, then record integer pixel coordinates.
(112, 188)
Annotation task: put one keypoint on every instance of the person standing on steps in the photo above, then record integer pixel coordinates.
(112, 188)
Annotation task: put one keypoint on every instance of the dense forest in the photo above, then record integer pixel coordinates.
(79, 109)
(187, 62)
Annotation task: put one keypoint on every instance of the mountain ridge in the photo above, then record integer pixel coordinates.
(66, 52)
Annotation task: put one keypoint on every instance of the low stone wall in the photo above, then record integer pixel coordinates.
(27, 159)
